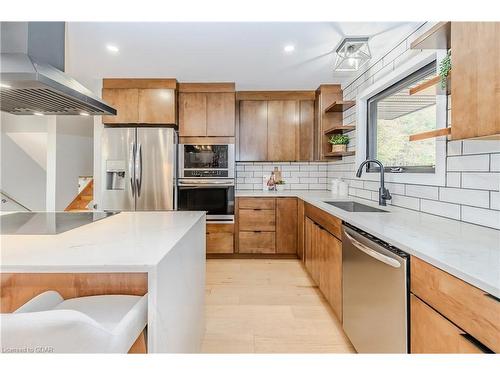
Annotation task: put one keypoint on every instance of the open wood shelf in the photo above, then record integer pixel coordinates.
(339, 129)
(340, 154)
(437, 37)
(430, 134)
(430, 83)
(340, 106)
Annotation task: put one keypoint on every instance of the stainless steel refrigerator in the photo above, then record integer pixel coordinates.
(139, 169)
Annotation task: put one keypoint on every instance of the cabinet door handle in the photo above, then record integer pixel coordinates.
(477, 343)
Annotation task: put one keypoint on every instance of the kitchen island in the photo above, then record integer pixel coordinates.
(167, 248)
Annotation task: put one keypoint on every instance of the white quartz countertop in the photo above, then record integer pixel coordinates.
(469, 252)
(126, 242)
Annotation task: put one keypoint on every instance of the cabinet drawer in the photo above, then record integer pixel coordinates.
(432, 333)
(220, 238)
(257, 242)
(257, 219)
(256, 203)
(468, 307)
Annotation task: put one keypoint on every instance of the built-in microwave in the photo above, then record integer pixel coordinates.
(206, 161)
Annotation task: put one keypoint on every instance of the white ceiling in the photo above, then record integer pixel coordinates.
(250, 54)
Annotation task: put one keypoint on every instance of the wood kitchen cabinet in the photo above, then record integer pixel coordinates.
(282, 130)
(253, 130)
(141, 101)
(206, 110)
(476, 313)
(267, 225)
(220, 238)
(475, 93)
(276, 127)
(286, 225)
(323, 259)
(433, 333)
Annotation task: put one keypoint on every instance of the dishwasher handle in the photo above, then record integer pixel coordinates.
(374, 254)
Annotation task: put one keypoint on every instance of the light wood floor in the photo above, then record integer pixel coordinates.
(267, 306)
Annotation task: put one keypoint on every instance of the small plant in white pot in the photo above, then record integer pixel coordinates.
(280, 185)
(339, 142)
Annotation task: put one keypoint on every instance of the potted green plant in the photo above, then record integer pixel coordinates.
(280, 185)
(445, 69)
(339, 142)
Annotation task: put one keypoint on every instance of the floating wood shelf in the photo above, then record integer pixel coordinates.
(339, 129)
(430, 134)
(340, 106)
(437, 37)
(430, 83)
(340, 154)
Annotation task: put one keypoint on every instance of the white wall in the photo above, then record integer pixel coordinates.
(74, 156)
(42, 158)
(469, 192)
(23, 148)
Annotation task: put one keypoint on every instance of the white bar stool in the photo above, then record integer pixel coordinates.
(94, 324)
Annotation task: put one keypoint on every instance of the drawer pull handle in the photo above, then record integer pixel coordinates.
(492, 297)
(257, 209)
(257, 231)
(477, 343)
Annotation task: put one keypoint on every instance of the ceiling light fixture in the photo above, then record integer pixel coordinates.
(112, 48)
(352, 54)
(84, 114)
(5, 86)
(38, 113)
(289, 48)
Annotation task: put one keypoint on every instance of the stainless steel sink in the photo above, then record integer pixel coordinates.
(354, 207)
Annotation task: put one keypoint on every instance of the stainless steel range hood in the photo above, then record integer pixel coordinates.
(31, 80)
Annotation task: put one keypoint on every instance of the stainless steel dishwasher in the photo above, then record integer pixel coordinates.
(375, 293)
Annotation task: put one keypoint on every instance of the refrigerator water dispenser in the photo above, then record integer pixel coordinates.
(115, 175)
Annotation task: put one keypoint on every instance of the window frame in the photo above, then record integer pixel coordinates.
(371, 129)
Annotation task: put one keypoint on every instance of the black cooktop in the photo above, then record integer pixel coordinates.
(47, 222)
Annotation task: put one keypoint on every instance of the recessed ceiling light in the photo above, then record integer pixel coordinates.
(4, 85)
(112, 48)
(38, 113)
(84, 114)
(289, 48)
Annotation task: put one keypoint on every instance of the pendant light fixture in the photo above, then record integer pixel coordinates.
(352, 54)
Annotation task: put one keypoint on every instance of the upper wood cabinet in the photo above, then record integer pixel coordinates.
(192, 114)
(282, 130)
(475, 88)
(141, 101)
(277, 129)
(253, 130)
(126, 103)
(206, 110)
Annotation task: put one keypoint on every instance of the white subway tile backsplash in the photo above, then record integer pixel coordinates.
(308, 168)
(488, 218)
(308, 180)
(449, 210)
(253, 168)
(482, 146)
(495, 200)
(300, 186)
(453, 179)
(422, 191)
(495, 163)
(468, 197)
(405, 202)
(396, 188)
(454, 148)
(484, 181)
(470, 163)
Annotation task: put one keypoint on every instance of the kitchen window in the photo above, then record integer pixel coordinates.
(394, 115)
